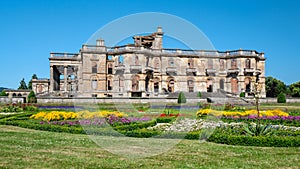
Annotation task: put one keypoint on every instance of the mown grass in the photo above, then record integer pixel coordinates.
(24, 148)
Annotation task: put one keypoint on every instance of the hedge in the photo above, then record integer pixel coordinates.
(294, 123)
(231, 137)
(261, 141)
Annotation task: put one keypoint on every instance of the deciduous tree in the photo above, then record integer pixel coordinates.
(295, 89)
(274, 87)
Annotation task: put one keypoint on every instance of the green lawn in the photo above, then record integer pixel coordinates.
(24, 148)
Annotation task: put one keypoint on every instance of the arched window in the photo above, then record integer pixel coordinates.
(94, 67)
(135, 83)
(190, 84)
(109, 69)
(233, 64)
(171, 84)
(248, 64)
(20, 95)
(234, 85)
(247, 85)
(40, 88)
(14, 94)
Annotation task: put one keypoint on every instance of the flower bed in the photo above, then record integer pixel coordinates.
(63, 115)
(275, 112)
(111, 120)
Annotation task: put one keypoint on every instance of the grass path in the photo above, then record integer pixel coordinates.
(25, 148)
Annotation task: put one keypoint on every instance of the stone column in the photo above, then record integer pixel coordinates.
(51, 79)
(65, 78)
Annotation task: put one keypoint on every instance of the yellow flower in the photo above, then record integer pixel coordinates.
(275, 112)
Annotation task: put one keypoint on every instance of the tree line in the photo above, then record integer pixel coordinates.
(274, 87)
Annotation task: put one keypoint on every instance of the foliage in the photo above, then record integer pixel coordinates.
(31, 97)
(295, 89)
(262, 141)
(18, 108)
(11, 108)
(3, 93)
(274, 87)
(242, 94)
(281, 98)
(199, 94)
(34, 76)
(181, 98)
(23, 84)
(257, 130)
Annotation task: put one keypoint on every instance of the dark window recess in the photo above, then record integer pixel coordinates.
(109, 85)
(156, 87)
(109, 71)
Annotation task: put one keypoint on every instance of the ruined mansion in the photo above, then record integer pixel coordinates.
(145, 69)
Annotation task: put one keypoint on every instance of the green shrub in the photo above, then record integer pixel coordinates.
(165, 119)
(31, 97)
(258, 130)
(135, 126)
(3, 93)
(262, 141)
(140, 133)
(30, 108)
(242, 94)
(11, 108)
(199, 94)
(281, 98)
(181, 98)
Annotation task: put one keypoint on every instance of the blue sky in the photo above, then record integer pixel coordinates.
(31, 29)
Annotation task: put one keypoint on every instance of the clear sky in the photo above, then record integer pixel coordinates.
(31, 29)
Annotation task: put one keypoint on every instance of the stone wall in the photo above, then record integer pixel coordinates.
(116, 100)
(138, 100)
(6, 99)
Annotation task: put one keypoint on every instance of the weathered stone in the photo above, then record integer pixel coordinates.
(145, 69)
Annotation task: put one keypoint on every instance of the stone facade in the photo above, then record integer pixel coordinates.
(145, 69)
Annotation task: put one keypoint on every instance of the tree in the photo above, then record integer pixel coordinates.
(22, 84)
(31, 97)
(181, 98)
(3, 93)
(274, 87)
(34, 76)
(295, 89)
(281, 98)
